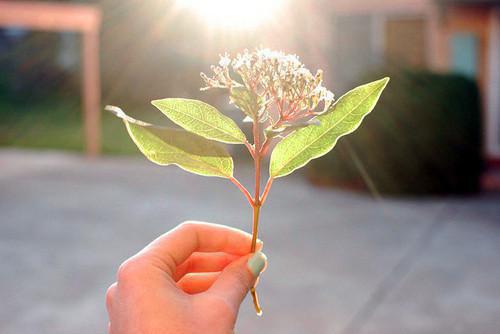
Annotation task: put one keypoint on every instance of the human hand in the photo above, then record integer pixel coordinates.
(189, 280)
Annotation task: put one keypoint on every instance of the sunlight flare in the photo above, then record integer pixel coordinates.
(238, 14)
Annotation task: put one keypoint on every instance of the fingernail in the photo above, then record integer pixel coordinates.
(256, 263)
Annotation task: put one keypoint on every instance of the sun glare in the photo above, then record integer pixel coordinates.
(240, 14)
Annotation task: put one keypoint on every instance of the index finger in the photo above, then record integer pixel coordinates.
(174, 247)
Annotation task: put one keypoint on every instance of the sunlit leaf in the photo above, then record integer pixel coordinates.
(249, 102)
(202, 119)
(313, 141)
(166, 146)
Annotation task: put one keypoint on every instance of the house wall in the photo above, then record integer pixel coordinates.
(382, 10)
(366, 34)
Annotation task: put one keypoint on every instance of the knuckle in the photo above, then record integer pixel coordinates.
(128, 270)
(187, 225)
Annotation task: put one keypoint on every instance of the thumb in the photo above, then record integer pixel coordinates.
(237, 278)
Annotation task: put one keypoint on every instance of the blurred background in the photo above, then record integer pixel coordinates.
(397, 230)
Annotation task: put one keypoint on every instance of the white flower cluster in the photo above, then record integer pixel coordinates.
(278, 78)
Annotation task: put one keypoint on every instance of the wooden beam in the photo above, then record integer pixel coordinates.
(86, 19)
(49, 16)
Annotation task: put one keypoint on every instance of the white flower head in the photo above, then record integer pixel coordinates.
(278, 79)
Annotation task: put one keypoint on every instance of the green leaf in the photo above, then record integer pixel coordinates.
(314, 141)
(202, 119)
(249, 102)
(166, 146)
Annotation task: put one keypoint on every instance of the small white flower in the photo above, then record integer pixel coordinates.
(328, 96)
(304, 71)
(224, 61)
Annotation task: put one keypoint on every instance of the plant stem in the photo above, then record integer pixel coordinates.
(255, 231)
(255, 227)
(256, 206)
(266, 190)
(243, 190)
(250, 149)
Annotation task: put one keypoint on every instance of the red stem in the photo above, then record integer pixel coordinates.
(257, 159)
(265, 147)
(250, 149)
(243, 190)
(266, 190)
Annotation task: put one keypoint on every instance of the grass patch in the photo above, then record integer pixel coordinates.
(58, 124)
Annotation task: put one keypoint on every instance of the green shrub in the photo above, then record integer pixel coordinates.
(424, 137)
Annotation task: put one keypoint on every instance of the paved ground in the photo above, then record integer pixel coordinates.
(339, 262)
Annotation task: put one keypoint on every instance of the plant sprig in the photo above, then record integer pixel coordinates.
(287, 106)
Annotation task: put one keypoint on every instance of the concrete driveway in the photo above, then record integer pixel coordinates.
(340, 262)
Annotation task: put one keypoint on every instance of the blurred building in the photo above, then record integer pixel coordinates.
(461, 36)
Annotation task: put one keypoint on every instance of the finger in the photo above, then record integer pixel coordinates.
(197, 282)
(110, 297)
(173, 248)
(204, 262)
(237, 278)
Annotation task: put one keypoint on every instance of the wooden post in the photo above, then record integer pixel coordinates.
(91, 93)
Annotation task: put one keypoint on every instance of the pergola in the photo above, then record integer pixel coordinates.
(84, 19)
